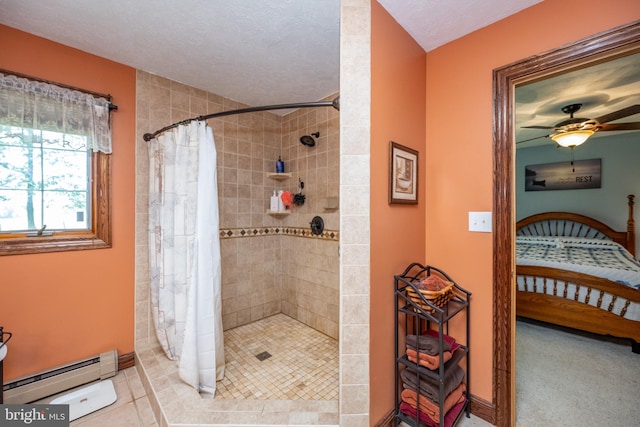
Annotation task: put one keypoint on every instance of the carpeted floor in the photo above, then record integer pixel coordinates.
(574, 379)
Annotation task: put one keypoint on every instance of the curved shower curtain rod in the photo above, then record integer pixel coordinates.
(335, 104)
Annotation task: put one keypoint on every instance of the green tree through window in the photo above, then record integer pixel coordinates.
(55, 167)
(44, 180)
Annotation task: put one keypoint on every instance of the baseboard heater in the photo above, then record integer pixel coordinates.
(46, 383)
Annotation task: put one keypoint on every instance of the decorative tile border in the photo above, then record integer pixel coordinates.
(232, 233)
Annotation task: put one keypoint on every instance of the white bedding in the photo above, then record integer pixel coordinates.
(601, 258)
(597, 257)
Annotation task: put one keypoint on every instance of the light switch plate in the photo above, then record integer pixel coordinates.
(480, 222)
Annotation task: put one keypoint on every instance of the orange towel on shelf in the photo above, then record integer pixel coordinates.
(429, 408)
(426, 360)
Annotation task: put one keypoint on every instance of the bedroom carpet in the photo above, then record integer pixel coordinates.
(574, 379)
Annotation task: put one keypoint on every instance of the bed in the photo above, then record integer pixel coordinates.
(575, 271)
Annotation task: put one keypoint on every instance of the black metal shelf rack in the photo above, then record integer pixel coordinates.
(418, 316)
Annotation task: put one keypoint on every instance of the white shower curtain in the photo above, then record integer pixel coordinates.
(184, 253)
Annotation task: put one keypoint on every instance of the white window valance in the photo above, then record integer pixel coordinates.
(38, 105)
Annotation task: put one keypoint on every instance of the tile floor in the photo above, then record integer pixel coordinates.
(132, 409)
(281, 390)
(301, 363)
(296, 386)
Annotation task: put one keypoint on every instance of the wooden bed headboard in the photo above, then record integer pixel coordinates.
(577, 225)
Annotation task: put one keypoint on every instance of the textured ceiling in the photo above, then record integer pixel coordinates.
(256, 52)
(252, 51)
(433, 23)
(261, 52)
(601, 89)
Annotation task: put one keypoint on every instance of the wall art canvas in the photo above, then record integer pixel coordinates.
(574, 175)
(403, 174)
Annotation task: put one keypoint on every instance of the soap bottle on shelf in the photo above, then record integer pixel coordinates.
(273, 206)
(281, 207)
(280, 165)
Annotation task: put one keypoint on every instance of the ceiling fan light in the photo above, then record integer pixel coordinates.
(573, 138)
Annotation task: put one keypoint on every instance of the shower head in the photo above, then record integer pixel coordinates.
(308, 139)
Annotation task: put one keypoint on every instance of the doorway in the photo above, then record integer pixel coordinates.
(600, 47)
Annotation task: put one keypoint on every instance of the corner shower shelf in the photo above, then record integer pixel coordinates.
(277, 213)
(279, 176)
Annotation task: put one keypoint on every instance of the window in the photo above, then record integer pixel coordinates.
(55, 145)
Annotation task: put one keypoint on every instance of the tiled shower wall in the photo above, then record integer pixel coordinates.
(311, 269)
(355, 83)
(269, 264)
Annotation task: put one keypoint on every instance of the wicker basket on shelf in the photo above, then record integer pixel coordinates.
(436, 298)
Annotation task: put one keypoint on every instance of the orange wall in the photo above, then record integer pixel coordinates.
(397, 231)
(68, 305)
(456, 160)
(459, 151)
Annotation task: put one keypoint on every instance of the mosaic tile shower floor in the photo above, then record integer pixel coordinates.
(296, 385)
(303, 363)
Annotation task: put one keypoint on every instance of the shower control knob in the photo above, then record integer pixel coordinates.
(317, 225)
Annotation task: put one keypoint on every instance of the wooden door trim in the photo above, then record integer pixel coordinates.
(618, 41)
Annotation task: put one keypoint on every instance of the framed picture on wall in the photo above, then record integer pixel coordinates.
(403, 175)
(563, 175)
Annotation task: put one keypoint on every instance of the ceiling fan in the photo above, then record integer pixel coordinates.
(574, 131)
